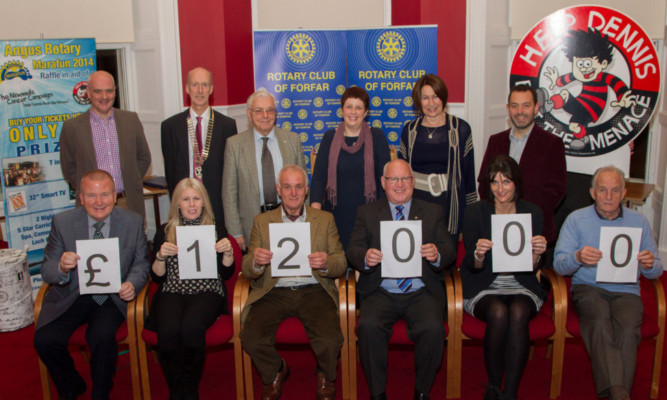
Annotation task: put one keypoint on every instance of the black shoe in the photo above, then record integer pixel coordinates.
(421, 396)
(382, 396)
(74, 394)
(492, 393)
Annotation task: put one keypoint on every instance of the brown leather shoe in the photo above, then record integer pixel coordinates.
(273, 390)
(326, 390)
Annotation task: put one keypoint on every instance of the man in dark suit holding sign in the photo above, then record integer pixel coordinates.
(610, 314)
(64, 309)
(313, 298)
(420, 301)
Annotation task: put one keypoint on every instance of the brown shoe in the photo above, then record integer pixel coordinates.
(326, 389)
(273, 390)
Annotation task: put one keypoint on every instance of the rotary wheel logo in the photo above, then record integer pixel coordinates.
(377, 124)
(339, 113)
(340, 89)
(407, 101)
(14, 69)
(303, 114)
(300, 48)
(393, 136)
(392, 113)
(319, 125)
(390, 46)
(286, 103)
(303, 136)
(376, 101)
(287, 126)
(318, 102)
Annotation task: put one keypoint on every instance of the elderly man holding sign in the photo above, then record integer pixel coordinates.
(66, 306)
(418, 298)
(293, 275)
(609, 305)
(500, 286)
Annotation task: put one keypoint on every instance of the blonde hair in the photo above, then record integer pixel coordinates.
(174, 214)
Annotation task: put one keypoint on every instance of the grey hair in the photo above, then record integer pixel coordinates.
(260, 93)
(608, 168)
(293, 167)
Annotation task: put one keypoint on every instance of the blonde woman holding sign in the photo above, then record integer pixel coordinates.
(508, 301)
(182, 310)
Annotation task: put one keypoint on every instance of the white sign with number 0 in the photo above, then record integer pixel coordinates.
(99, 266)
(290, 244)
(196, 252)
(619, 247)
(512, 250)
(400, 243)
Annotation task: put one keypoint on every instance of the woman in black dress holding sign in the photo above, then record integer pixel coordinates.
(505, 301)
(182, 310)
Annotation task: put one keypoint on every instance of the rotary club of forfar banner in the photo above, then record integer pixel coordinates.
(42, 84)
(597, 76)
(308, 71)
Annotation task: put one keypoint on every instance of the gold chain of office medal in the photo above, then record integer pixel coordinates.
(200, 158)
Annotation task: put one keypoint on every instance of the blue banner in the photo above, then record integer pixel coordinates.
(42, 84)
(387, 63)
(308, 71)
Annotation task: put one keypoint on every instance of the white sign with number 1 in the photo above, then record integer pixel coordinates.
(196, 252)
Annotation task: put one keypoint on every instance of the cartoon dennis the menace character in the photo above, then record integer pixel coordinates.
(590, 53)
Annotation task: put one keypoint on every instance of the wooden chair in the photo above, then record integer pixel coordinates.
(126, 335)
(291, 331)
(653, 322)
(547, 325)
(400, 337)
(223, 331)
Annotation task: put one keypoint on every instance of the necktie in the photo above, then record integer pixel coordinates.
(198, 134)
(268, 175)
(405, 284)
(196, 164)
(99, 298)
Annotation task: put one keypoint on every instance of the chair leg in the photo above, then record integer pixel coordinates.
(134, 370)
(557, 366)
(247, 376)
(238, 369)
(143, 368)
(657, 364)
(46, 380)
(454, 353)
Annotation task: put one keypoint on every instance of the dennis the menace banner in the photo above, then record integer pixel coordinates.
(308, 71)
(597, 76)
(42, 84)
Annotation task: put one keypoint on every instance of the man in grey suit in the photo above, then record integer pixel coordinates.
(248, 179)
(64, 309)
(106, 138)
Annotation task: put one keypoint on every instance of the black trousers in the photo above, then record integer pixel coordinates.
(51, 345)
(424, 316)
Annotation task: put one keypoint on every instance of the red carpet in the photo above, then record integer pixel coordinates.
(20, 376)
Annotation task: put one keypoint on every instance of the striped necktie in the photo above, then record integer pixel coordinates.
(405, 284)
(99, 298)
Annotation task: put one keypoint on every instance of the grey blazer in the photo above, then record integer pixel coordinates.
(240, 182)
(77, 154)
(72, 225)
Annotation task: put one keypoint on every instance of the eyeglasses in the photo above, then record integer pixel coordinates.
(394, 179)
(260, 111)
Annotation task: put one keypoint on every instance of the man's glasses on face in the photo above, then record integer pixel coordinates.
(394, 179)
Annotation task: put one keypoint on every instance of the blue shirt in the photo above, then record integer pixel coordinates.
(582, 228)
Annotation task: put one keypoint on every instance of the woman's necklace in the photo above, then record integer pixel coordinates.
(431, 132)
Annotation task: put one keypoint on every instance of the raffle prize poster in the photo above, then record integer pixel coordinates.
(42, 84)
(308, 71)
